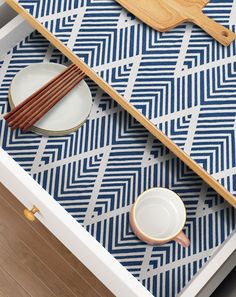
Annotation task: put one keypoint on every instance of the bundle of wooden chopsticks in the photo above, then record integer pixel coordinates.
(32, 109)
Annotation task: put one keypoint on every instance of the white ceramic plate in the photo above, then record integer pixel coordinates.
(67, 115)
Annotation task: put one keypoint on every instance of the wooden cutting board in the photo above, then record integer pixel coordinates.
(164, 15)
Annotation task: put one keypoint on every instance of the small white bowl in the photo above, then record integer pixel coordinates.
(158, 216)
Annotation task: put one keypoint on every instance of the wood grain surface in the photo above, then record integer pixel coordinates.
(164, 15)
(34, 263)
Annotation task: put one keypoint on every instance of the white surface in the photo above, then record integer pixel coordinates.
(213, 265)
(67, 114)
(13, 32)
(160, 213)
(217, 281)
(68, 231)
(6, 13)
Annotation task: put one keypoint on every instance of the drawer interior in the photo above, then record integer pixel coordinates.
(97, 173)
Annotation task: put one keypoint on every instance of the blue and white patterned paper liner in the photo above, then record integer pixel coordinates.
(181, 80)
(98, 172)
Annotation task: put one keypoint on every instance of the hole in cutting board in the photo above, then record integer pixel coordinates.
(225, 34)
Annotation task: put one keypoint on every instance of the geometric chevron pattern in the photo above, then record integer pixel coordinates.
(97, 173)
(182, 80)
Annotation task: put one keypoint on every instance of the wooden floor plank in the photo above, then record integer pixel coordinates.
(52, 253)
(27, 257)
(9, 287)
(32, 284)
(46, 253)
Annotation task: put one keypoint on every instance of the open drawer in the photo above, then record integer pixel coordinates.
(89, 251)
(85, 183)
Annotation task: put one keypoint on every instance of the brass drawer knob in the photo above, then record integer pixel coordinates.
(29, 214)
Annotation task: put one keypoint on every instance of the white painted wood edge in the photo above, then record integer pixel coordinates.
(10, 26)
(89, 251)
(14, 24)
(6, 13)
(218, 277)
(211, 267)
(12, 33)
